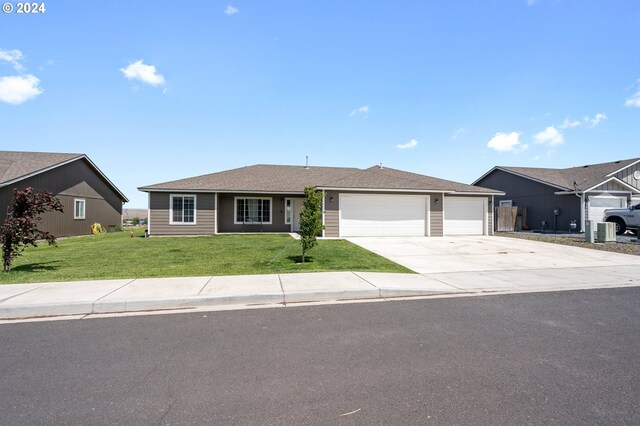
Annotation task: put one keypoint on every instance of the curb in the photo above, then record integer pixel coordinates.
(119, 306)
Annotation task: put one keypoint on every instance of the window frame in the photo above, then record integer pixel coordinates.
(288, 211)
(84, 208)
(242, 197)
(195, 209)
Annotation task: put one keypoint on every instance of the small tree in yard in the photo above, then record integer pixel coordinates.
(20, 228)
(310, 220)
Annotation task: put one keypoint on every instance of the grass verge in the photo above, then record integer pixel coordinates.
(116, 255)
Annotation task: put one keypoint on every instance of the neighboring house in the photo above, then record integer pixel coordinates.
(356, 202)
(87, 195)
(580, 193)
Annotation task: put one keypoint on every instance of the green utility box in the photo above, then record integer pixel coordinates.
(590, 231)
(606, 232)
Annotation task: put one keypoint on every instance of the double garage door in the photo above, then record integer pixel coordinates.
(364, 215)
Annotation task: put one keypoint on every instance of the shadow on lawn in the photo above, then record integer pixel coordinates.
(37, 267)
(298, 259)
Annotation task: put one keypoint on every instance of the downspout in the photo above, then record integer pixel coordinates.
(215, 226)
(149, 213)
(582, 228)
(493, 215)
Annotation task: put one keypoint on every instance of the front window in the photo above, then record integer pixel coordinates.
(253, 210)
(183, 209)
(79, 209)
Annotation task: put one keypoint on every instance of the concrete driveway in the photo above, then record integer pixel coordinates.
(488, 263)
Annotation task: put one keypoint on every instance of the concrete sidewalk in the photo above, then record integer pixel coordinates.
(134, 295)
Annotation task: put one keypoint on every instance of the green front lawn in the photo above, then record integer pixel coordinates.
(116, 255)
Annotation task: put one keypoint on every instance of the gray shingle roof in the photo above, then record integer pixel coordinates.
(16, 164)
(293, 179)
(587, 176)
(259, 178)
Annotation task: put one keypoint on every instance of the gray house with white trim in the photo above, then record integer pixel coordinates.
(579, 193)
(377, 201)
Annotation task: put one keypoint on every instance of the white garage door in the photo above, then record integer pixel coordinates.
(598, 204)
(464, 216)
(382, 215)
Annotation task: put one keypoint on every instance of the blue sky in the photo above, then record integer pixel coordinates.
(155, 91)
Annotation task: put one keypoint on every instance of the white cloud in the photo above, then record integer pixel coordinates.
(569, 124)
(409, 145)
(17, 89)
(634, 101)
(504, 142)
(459, 132)
(14, 57)
(597, 119)
(145, 73)
(230, 10)
(364, 110)
(549, 136)
(531, 2)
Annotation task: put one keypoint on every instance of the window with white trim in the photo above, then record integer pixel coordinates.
(182, 209)
(252, 210)
(79, 208)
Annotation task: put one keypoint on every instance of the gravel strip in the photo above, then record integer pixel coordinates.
(626, 244)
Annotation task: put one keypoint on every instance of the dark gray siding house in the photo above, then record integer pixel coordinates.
(87, 195)
(356, 202)
(580, 193)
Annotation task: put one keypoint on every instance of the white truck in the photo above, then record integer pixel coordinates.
(628, 218)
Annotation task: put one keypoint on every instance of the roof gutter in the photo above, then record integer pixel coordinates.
(222, 191)
(323, 188)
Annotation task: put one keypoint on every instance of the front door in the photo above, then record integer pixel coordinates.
(298, 203)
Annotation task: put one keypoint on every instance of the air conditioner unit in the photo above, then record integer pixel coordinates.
(606, 232)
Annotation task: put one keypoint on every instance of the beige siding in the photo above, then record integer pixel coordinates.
(226, 222)
(74, 180)
(437, 228)
(331, 223)
(159, 214)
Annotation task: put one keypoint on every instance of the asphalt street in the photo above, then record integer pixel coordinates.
(545, 358)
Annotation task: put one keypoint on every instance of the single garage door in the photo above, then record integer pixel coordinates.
(382, 215)
(464, 216)
(598, 204)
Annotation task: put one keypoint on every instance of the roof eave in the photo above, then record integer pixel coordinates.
(621, 169)
(62, 163)
(211, 191)
(522, 176)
